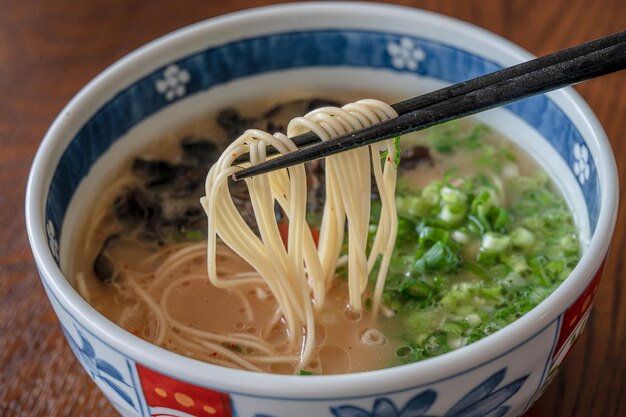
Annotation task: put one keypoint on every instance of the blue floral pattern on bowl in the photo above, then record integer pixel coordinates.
(173, 84)
(100, 369)
(405, 54)
(482, 401)
(113, 372)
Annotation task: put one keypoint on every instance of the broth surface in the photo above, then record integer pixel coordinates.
(143, 262)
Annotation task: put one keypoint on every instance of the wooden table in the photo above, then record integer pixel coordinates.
(49, 50)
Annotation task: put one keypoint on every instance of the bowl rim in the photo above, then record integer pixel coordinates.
(247, 383)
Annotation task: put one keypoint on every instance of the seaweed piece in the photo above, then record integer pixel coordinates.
(316, 189)
(199, 150)
(190, 181)
(103, 268)
(272, 111)
(279, 214)
(271, 127)
(316, 103)
(146, 168)
(137, 204)
(413, 156)
(241, 198)
(194, 212)
(147, 236)
(193, 218)
(156, 172)
(228, 119)
(233, 123)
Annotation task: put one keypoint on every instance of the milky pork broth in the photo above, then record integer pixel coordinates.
(482, 238)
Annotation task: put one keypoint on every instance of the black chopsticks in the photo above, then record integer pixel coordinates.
(567, 67)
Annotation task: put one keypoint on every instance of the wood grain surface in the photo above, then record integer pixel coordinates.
(50, 49)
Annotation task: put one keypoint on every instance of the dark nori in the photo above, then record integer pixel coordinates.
(233, 123)
(154, 169)
(273, 128)
(103, 268)
(273, 111)
(141, 210)
(137, 204)
(278, 213)
(316, 103)
(412, 156)
(316, 189)
(190, 179)
(199, 150)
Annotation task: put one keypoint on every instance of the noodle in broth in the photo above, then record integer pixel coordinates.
(330, 267)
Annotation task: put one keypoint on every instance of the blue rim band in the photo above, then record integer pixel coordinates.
(294, 50)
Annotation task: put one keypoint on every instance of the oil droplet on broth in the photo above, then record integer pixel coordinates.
(334, 360)
(282, 368)
(372, 337)
(320, 334)
(328, 317)
(351, 314)
(274, 336)
(282, 348)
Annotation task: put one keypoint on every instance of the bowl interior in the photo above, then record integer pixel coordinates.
(210, 66)
(365, 63)
(283, 84)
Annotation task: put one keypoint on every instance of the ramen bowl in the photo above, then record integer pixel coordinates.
(379, 50)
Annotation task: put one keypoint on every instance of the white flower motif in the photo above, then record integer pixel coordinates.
(52, 240)
(581, 164)
(405, 54)
(173, 83)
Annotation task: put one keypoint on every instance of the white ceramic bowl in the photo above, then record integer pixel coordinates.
(378, 49)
